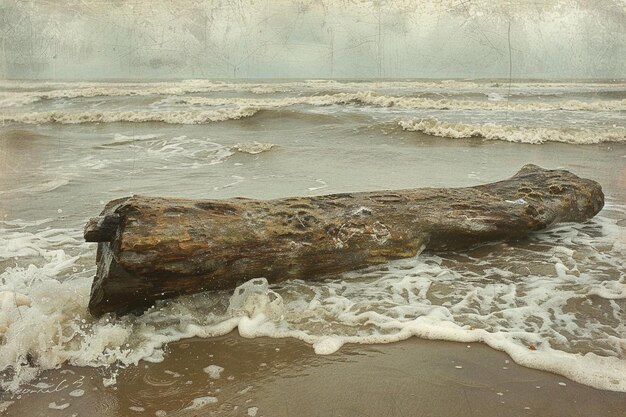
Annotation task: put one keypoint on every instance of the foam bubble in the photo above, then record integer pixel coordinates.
(327, 345)
(254, 298)
(55, 406)
(214, 371)
(201, 402)
(77, 393)
(253, 148)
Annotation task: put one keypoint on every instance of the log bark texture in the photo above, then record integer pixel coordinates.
(156, 248)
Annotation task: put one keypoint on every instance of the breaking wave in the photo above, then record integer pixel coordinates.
(370, 98)
(519, 134)
(24, 93)
(201, 110)
(63, 90)
(172, 117)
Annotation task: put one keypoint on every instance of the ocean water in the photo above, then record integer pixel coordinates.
(555, 301)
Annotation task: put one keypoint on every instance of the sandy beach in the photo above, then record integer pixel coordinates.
(283, 377)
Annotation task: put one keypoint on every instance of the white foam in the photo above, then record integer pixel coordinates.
(511, 300)
(531, 135)
(496, 97)
(610, 290)
(327, 345)
(214, 371)
(138, 116)
(201, 402)
(46, 243)
(254, 298)
(10, 303)
(17, 99)
(184, 152)
(319, 181)
(55, 406)
(253, 148)
(11, 299)
(4, 405)
(372, 98)
(364, 94)
(27, 92)
(73, 90)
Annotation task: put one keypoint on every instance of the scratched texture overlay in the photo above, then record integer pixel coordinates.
(87, 39)
(268, 99)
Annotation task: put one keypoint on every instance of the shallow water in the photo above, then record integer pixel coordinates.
(555, 301)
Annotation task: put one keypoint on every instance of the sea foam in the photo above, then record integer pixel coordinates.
(398, 94)
(530, 310)
(139, 116)
(531, 135)
(24, 93)
(372, 98)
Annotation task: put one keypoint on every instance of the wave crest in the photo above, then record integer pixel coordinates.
(171, 117)
(519, 134)
(371, 98)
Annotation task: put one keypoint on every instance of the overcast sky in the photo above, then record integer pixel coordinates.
(147, 39)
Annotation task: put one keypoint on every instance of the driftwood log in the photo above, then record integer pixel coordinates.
(157, 248)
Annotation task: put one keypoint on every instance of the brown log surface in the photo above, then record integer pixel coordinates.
(163, 247)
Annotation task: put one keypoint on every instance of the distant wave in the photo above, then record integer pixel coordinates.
(183, 117)
(218, 110)
(370, 98)
(172, 117)
(54, 91)
(532, 135)
(23, 93)
(18, 99)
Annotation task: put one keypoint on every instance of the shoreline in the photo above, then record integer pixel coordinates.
(284, 377)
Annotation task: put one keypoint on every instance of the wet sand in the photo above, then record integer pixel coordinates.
(284, 377)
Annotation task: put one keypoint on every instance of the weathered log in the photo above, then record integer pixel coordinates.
(161, 248)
